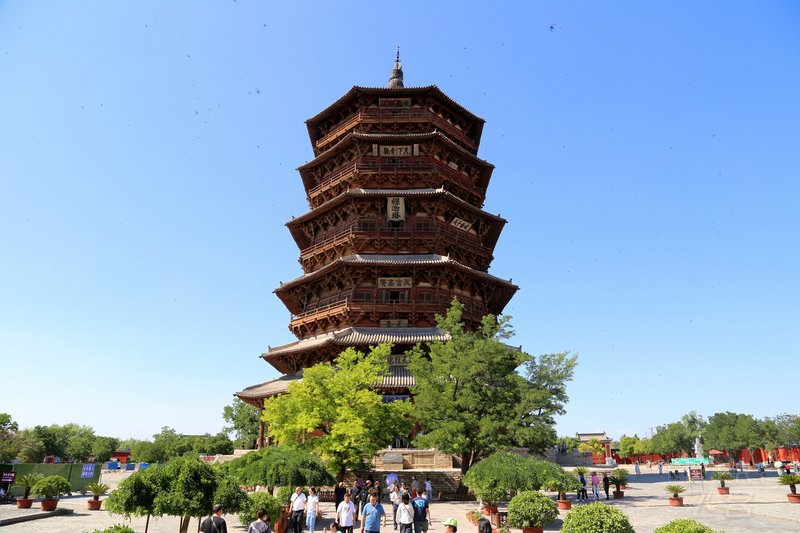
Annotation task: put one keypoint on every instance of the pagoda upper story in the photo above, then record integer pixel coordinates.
(395, 228)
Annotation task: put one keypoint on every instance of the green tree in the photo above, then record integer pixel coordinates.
(136, 494)
(282, 465)
(242, 419)
(470, 399)
(672, 438)
(732, 432)
(9, 443)
(336, 412)
(628, 446)
(103, 447)
(694, 424)
(592, 446)
(80, 440)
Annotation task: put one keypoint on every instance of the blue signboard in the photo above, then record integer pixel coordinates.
(87, 472)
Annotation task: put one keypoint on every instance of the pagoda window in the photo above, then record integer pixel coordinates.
(425, 296)
(364, 296)
(394, 297)
(424, 225)
(395, 225)
(368, 225)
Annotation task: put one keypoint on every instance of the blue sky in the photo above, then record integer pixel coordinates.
(646, 161)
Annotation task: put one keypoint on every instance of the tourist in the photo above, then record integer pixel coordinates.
(429, 488)
(636, 468)
(484, 526)
(606, 483)
(346, 514)
(395, 497)
(405, 514)
(215, 523)
(703, 470)
(371, 517)
(414, 487)
(660, 469)
(338, 494)
(298, 503)
(403, 489)
(260, 524)
(312, 509)
(422, 512)
(450, 525)
(595, 486)
(582, 494)
(334, 528)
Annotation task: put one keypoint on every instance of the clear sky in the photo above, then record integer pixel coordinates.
(647, 160)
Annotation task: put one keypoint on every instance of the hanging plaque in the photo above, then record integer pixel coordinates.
(394, 282)
(395, 208)
(396, 151)
(461, 224)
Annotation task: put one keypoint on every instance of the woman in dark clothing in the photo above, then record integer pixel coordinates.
(606, 484)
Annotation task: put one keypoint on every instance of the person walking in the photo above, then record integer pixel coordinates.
(215, 523)
(414, 487)
(405, 514)
(582, 494)
(606, 483)
(298, 503)
(338, 494)
(450, 525)
(261, 523)
(637, 468)
(429, 488)
(346, 514)
(595, 486)
(312, 509)
(396, 499)
(422, 512)
(372, 516)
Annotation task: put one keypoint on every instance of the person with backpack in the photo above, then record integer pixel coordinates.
(215, 523)
(260, 524)
(405, 514)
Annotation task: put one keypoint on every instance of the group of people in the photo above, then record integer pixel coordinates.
(595, 482)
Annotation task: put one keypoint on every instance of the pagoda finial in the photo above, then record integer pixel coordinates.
(396, 79)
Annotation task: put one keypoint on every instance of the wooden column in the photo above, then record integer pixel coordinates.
(260, 442)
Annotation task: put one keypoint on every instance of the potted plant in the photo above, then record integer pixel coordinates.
(473, 517)
(26, 481)
(563, 484)
(675, 490)
(722, 476)
(530, 511)
(50, 488)
(619, 478)
(97, 489)
(792, 480)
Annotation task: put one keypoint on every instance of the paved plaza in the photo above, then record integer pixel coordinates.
(755, 504)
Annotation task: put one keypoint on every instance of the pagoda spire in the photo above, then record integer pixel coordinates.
(396, 79)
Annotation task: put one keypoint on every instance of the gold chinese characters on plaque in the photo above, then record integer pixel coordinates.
(394, 282)
(461, 224)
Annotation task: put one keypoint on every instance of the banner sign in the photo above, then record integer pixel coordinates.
(8, 477)
(394, 282)
(461, 224)
(695, 473)
(396, 208)
(87, 471)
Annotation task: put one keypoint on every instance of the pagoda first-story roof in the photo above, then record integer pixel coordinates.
(489, 240)
(383, 92)
(390, 261)
(354, 138)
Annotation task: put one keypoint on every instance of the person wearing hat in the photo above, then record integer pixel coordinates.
(450, 525)
(215, 523)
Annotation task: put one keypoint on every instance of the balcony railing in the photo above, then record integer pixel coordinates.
(397, 115)
(435, 304)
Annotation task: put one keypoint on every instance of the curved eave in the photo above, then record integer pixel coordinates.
(387, 92)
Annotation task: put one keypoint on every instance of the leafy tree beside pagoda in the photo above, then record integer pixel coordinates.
(470, 398)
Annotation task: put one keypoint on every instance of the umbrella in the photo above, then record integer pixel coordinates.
(391, 478)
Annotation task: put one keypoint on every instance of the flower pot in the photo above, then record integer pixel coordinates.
(489, 510)
(676, 502)
(724, 490)
(49, 505)
(94, 505)
(618, 494)
(24, 503)
(537, 529)
(793, 498)
(564, 505)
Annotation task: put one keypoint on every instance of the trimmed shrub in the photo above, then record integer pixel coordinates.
(116, 528)
(260, 500)
(52, 487)
(684, 525)
(531, 509)
(596, 518)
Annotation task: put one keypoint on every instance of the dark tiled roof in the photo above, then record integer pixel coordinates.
(360, 336)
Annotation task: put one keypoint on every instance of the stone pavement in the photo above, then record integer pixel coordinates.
(755, 504)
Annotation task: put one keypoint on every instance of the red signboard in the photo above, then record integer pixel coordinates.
(695, 473)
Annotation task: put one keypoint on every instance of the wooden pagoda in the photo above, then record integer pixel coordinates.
(395, 231)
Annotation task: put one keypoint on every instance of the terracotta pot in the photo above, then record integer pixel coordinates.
(49, 505)
(537, 529)
(618, 494)
(793, 498)
(724, 490)
(489, 510)
(24, 503)
(94, 505)
(564, 505)
(676, 502)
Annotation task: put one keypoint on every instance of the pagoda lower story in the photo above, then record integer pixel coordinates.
(395, 231)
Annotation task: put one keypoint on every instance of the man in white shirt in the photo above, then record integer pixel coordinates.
(298, 506)
(346, 514)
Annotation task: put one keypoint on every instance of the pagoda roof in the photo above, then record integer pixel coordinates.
(399, 377)
(389, 92)
(354, 135)
(365, 193)
(359, 336)
(393, 260)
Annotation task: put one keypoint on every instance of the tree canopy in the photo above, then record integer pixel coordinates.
(242, 420)
(470, 399)
(336, 412)
(282, 465)
(732, 432)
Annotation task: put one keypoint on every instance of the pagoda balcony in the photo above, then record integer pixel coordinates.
(332, 314)
(395, 116)
(371, 164)
(347, 237)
